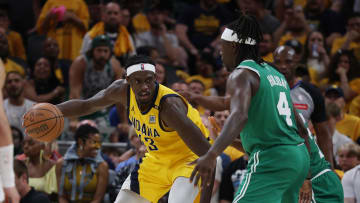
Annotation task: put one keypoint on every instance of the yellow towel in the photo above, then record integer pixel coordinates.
(122, 45)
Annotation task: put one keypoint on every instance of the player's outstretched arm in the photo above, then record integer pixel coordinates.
(173, 112)
(115, 93)
(242, 85)
(214, 103)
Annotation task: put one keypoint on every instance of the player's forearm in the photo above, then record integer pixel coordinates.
(325, 141)
(5, 131)
(302, 129)
(76, 108)
(214, 103)
(232, 128)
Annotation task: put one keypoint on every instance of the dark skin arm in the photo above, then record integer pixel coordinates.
(241, 85)
(115, 93)
(213, 103)
(173, 112)
(325, 140)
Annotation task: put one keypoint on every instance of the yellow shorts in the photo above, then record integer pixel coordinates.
(152, 179)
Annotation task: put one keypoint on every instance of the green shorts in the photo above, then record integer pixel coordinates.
(327, 188)
(274, 175)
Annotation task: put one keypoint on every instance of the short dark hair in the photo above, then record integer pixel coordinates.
(145, 50)
(245, 27)
(84, 131)
(20, 168)
(136, 59)
(197, 81)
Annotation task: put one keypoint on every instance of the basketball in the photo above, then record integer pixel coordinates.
(43, 122)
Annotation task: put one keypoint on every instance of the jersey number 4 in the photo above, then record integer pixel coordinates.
(283, 108)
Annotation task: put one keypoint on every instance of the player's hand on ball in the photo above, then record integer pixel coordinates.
(305, 192)
(204, 169)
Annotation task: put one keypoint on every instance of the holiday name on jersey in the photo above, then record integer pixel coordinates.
(277, 81)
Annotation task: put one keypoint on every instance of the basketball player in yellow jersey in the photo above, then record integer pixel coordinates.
(7, 176)
(169, 127)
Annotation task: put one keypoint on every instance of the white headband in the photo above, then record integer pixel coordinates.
(140, 67)
(230, 36)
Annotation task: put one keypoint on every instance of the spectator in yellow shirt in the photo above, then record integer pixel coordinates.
(16, 47)
(10, 65)
(266, 47)
(351, 40)
(348, 125)
(121, 41)
(294, 26)
(344, 72)
(66, 21)
(354, 108)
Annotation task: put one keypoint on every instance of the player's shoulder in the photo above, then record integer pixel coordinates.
(311, 89)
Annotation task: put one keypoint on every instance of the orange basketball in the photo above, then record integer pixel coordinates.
(43, 122)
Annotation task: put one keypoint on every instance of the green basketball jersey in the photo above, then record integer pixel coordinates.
(271, 119)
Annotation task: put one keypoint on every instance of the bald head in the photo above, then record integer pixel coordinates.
(284, 59)
(112, 17)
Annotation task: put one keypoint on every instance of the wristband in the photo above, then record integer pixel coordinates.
(6, 166)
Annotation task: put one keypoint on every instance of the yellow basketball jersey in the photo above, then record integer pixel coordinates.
(162, 144)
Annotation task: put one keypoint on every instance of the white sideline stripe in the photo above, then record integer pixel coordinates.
(319, 174)
(252, 170)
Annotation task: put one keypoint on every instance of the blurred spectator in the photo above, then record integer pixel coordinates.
(231, 179)
(199, 25)
(205, 66)
(267, 22)
(198, 88)
(151, 52)
(334, 115)
(348, 125)
(121, 41)
(125, 167)
(16, 105)
(348, 156)
(160, 74)
(220, 118)
(93, 72)
(42, 176)
(66, 22)
(82, 175)
(350, 183)
(314, 11)
(351, 40)
(95, 11)
(298, 47)
(61, 66)
(180, 86)
(16, 46)
(294, 26)
(220, 80)
(266, 47)
(28, 194)
(126, 19)
(139, 19)
(354, 108)
(43, 85)
(165, 42)
(344, 72)
(10, 65)
(315, 56)
(18, 138)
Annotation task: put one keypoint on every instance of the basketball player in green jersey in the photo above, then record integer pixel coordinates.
(325, 184)
(262, 113)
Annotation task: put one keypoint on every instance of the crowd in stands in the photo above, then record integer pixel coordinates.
(55, 50)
